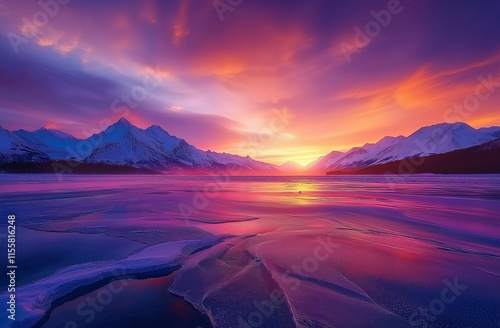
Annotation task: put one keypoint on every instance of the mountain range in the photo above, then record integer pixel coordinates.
(123, 145)
(427, 141)
(483, 158)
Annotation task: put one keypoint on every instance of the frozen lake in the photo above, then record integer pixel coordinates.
(419, 251)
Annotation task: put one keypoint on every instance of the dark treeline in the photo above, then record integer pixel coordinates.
(70, 167)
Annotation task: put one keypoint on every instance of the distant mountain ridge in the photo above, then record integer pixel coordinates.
(431, 140)
(153, 149)
(51, 142)
(122, 144)
(481, 159)
(494, 131)
(13, 148)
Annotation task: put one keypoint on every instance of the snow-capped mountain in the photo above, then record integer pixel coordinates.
(324, 162)
(192, 156)
(368, 154)
(54, 143)
(481, 159)
(358, 156)
(13, 149)
(245, 163)
(153, 148)
(436, 139)
(123, 144)
(494, 131)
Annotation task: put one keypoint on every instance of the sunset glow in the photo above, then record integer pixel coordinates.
(217, 83)
(250, 163)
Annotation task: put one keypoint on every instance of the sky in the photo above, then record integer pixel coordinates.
(278, 80)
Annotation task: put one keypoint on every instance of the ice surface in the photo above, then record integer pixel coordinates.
(36, 298)
(391, 242)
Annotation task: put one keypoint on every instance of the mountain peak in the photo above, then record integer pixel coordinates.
(461, 125)
(157, 129)
(445, 125)
(50, 133)
(336, 153)
(42, 130)
(125, 122)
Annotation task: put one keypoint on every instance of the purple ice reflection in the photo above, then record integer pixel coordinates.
(323, 251)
